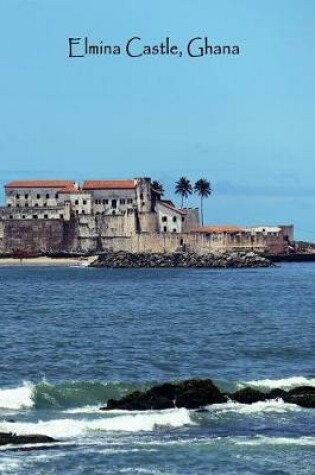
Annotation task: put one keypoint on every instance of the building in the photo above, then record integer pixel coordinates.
(129, 215)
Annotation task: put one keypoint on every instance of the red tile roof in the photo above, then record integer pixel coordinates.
(40, 184)
(219, 229)
(70, 189)
(109, 185)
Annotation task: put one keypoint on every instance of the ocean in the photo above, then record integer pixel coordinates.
(71, 338)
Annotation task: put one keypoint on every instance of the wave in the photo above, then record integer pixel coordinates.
(63, 396)
(284, 383)
(263, 440)
(90, 395)
(127, 422)
(273, 406)
(17, 398)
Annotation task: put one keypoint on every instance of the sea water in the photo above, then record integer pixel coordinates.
(71, 338)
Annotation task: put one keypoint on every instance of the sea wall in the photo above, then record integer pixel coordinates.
(184, 259)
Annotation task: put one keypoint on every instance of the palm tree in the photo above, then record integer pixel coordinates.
(203, 189)
(157, 186)
(183, 187)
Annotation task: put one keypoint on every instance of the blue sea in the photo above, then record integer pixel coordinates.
(71, 338)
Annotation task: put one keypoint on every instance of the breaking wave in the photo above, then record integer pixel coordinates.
(65, 428)
(272, 406)
(90, 395)
(63, 396)
(285, 383)
(17, 398)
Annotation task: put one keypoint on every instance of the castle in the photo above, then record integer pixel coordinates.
(129, 215)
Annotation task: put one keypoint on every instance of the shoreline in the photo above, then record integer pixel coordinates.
(43, 261)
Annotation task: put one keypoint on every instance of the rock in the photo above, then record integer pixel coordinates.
(10, 438)
(303, 396)
(136, 260)
(192, 394)
(248, 396)
(276, 393)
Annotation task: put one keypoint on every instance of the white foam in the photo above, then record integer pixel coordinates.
(275, 405)
(285, 383)
(17, 398)
(83, 410)
(64, 428)
(262, 440)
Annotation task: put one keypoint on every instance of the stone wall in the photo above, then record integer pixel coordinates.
(33, 236)
(90, 234)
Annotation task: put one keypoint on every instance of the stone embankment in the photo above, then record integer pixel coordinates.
(181, 259)
(197, 393)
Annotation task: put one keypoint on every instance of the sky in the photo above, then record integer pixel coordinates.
(244, 122)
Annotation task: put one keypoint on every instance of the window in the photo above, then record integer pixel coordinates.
(26, 205)
(36, 205)
(141, 196)
(164, 219)
(26, 196)
(114, 204)
(129, 201)
(83, 212)
(61, 216)
(56, 196)
(114, 212)
(45, 205)
(11, 217)
(183, 219)
(45, 216)
(47, 196)
(76, 202)
(143, 203)
(17, 196)
(122, 201)
(76, 211)
(38, 196)
(174, 230)
(35, 216)
(104, 202)
(174, 219)
(165, 229)
(23, 216)
(17, 205)
(84, 202)
(9, 205)
(97, 213)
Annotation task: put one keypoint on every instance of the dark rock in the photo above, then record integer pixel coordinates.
(303, 396)
(136, 260)
(10, 438)
(192, 394)
(248, 396)
(276, 393)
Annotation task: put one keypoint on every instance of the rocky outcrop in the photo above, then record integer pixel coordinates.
(197, 393)
(192, 394)
(248, 396)
(303, 396)
(10, 438)
(181, 259)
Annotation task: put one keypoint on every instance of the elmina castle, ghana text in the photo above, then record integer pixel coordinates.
(136, 47)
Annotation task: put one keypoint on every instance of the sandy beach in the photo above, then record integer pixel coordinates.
(49, 261)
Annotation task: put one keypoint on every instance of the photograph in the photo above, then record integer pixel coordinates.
(157, 237)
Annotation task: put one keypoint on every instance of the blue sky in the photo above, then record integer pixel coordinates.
(246, 122)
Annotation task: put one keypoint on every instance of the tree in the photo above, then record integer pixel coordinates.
(183, 187)
(157, 186)
(203, 189)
